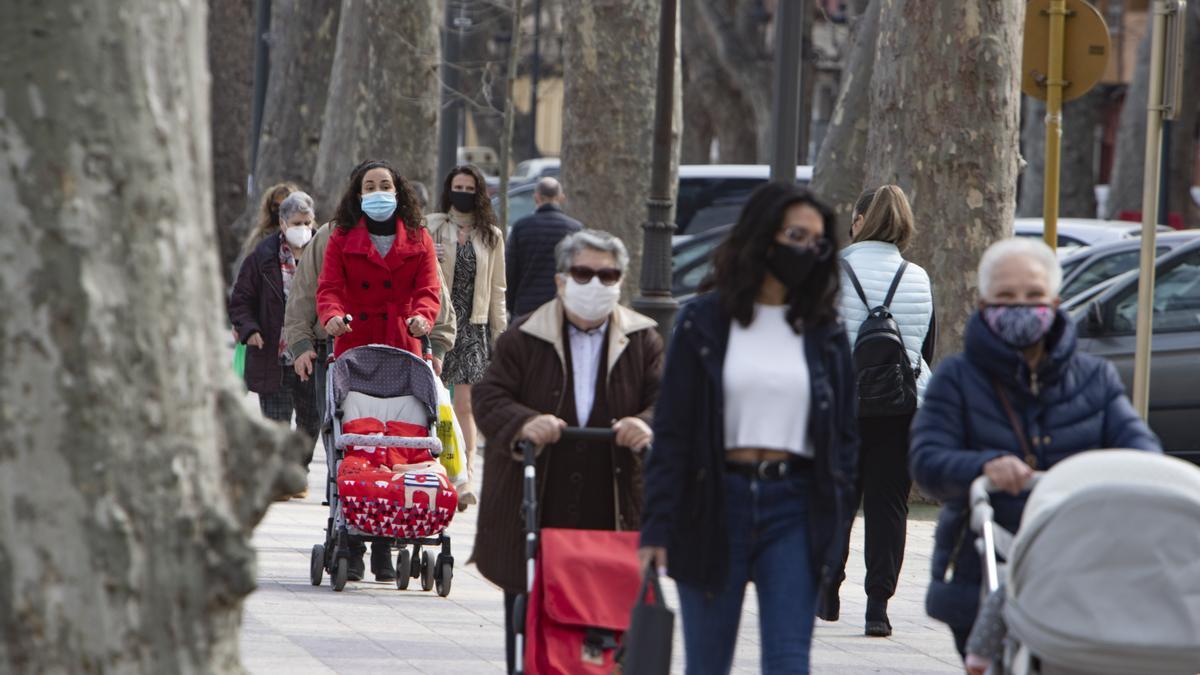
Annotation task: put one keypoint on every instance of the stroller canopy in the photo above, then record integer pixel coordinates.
(383, 372)
(1104, 574)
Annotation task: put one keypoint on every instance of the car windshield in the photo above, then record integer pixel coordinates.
(1099, 268)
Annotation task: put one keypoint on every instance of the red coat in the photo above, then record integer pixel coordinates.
(380, 293)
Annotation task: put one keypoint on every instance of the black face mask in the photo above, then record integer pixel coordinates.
(792, 265)
(463, 202)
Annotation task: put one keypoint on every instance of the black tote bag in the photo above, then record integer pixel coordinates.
(646, 646)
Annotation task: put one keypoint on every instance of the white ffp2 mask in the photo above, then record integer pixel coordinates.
(592, 301)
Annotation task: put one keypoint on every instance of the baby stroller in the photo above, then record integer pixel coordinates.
(581, 586)
(1104, 574)
(384, 481)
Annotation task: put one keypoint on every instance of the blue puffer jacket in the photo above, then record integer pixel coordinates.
(1071, 403)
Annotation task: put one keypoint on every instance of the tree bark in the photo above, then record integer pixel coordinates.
(713, 105)
(610, 46)
(231, 26)
(1125, 191)
(840, 172)
(383, 95)
(736, 36)
(303, 40)
(945, 125)
(125, 509)
(1077, 166)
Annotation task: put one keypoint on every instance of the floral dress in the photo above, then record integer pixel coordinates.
(467, 362)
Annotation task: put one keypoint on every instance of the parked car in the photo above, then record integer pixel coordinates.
(533, 170)
(691, 261)
(1107, 327)
(1087, 267)
(710, 195)
(1074, 233)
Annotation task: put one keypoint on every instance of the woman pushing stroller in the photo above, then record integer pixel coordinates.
(379, 282)
(1019, 399)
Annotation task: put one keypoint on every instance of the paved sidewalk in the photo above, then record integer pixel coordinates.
(294, 628)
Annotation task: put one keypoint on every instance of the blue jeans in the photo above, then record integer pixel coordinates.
(769, 544)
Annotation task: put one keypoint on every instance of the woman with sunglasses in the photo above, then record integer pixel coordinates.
(752, 473)
(470, 248)
(578, 360)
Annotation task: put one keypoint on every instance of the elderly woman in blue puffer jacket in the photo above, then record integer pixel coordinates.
(1019, 399)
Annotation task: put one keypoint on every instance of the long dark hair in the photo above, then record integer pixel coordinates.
(485, 217)
(349, 209)
(740, 262)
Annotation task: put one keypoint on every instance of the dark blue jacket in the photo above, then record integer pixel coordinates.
(684, 486)
(529, 257)
(1073, 402)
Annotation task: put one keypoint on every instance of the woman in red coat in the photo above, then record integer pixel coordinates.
(380, 267)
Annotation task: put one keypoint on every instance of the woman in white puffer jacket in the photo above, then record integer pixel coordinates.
(881, 228)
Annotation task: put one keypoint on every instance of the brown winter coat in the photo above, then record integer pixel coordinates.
(528, 376)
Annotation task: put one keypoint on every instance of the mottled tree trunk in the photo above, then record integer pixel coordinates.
(303, 39)
(736, 36)
(1125, 191)
(840, 172)
(1077, 165)
(231, 26)
(713, 105)
(609, 62)
(383, 94)
(125, 509)
(945, 125)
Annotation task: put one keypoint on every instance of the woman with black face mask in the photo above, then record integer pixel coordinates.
(470, 248)
(752, 473)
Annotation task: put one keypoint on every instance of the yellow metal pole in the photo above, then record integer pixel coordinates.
(1154, 117)
(1054, 96)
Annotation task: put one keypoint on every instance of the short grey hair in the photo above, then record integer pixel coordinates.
(297, 202)
(1034, 249)
(549, 188)
(597, 240)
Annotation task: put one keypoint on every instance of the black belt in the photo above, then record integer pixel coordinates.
(771, 470)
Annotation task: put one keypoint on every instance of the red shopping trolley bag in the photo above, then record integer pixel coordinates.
(586, 583)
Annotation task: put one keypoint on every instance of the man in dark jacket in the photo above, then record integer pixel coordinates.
(580, 360)
(1019, 399)
(530, 253)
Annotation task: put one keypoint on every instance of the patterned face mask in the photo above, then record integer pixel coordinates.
(1019, 326)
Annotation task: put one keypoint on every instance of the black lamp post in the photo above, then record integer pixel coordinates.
(655, 299)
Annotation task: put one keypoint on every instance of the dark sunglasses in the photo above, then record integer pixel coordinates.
(584, 275)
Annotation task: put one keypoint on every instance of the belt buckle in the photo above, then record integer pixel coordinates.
(765, 472)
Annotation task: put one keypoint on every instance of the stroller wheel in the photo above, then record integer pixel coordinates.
(340, 572)
(316, 565)
(445, 574)
(427, 570)
(403, 568)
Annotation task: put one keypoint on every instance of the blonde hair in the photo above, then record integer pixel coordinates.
(889, 218)
(268, 214)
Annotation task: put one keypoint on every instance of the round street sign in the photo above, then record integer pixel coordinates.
(1086, 45)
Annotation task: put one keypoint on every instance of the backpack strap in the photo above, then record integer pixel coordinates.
(887, 302)
(857, 286)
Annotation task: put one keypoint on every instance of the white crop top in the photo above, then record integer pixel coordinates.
(766, 385)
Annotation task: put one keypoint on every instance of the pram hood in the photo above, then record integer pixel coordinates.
(383, 372)
(1104, 574)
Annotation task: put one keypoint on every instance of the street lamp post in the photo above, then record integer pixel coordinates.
(655, 298)
(785, 113)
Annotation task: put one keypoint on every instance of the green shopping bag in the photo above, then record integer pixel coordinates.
(239, 360)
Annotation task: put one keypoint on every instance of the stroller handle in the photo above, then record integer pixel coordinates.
(982, 488)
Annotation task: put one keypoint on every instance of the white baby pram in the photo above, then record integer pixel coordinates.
(384, 385)
(1104, 574)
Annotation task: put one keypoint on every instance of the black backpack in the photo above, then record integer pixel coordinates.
(887, 384)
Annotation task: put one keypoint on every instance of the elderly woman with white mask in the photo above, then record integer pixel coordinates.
(1019, 398)
(580, 360)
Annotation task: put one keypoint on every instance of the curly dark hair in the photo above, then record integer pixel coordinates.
(349, 209)
(485, 217)
(740, 262)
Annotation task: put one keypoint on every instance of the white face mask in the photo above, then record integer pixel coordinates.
(299, 236)
(592, 301)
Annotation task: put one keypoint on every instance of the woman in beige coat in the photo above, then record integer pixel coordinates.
(471, 249)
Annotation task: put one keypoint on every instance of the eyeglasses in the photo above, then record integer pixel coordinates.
(584, 275)
(798, 236)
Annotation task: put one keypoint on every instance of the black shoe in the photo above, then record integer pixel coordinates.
(381, 563)
(829, 605)
(877, 624)
(356, 569)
